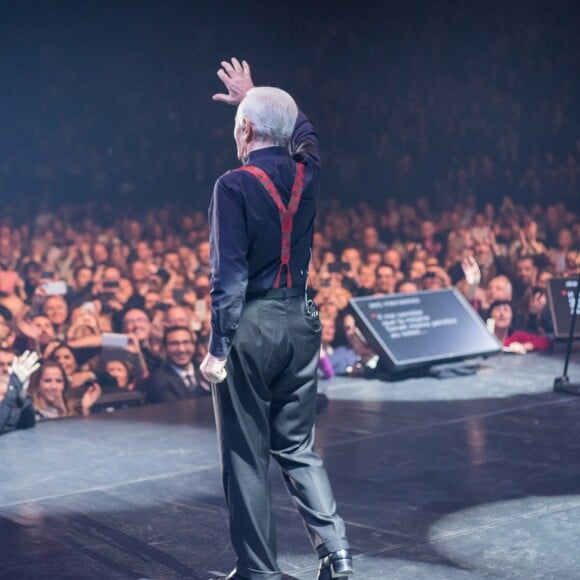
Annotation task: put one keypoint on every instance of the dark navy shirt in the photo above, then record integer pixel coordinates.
(245, 230)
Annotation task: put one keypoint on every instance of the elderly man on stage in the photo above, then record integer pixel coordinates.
(265, 339)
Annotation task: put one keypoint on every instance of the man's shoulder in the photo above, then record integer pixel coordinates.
(165, 385)
(232, 181)
(231, 176)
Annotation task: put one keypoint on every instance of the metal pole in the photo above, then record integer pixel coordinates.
(563, 383)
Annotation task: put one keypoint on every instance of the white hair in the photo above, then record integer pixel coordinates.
(271, 111)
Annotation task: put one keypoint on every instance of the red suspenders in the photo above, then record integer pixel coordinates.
(286, 214)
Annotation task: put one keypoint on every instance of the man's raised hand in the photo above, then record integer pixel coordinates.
(237, 79)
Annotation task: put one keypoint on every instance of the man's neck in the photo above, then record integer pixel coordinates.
(257, 145)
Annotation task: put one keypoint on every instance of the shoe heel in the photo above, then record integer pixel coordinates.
(341, 568)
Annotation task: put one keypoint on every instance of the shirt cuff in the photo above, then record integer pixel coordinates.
(219, 344)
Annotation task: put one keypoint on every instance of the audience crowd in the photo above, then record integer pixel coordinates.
(117, 306)
(465, 154)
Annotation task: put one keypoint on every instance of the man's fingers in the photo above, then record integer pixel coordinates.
(223, 76)
(27, 368)
(227, 67)
(233, 76)
(222, 97)
(29, 358)
(34, 368)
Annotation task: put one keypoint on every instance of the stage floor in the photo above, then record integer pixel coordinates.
(471, 477)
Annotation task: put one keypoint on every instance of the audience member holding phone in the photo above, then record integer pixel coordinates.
(122, 371)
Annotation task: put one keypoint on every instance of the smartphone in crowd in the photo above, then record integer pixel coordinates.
(57, 288)
(335, 267)
(111, 284)
(105, 297)
(115, 340)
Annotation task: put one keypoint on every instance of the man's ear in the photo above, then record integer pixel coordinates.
(247, 130)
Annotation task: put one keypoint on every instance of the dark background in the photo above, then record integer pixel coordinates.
(112, 100)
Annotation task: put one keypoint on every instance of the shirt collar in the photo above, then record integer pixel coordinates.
(184, 372)
(275, 151)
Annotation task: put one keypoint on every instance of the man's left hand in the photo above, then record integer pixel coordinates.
(237, 79)
(213, 368)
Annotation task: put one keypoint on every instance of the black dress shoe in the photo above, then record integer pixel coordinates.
(233, 575)
(335, 566)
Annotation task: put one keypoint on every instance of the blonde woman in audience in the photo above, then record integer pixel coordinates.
(49, 388)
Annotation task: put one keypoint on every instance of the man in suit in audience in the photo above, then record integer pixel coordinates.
(177, 378)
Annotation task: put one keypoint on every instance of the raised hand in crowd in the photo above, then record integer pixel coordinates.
(491, 241)
(91, 396)
(444, 281)
(472, 275)
(24, 366)
(537, 302)
(134, 348)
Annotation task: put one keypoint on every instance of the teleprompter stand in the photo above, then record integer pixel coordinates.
(562, 384)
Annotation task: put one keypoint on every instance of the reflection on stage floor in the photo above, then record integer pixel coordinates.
(470, 477)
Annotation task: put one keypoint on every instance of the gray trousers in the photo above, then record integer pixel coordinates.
(266, 407)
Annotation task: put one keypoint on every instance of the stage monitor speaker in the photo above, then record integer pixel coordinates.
(417, 330)
(561, 294)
